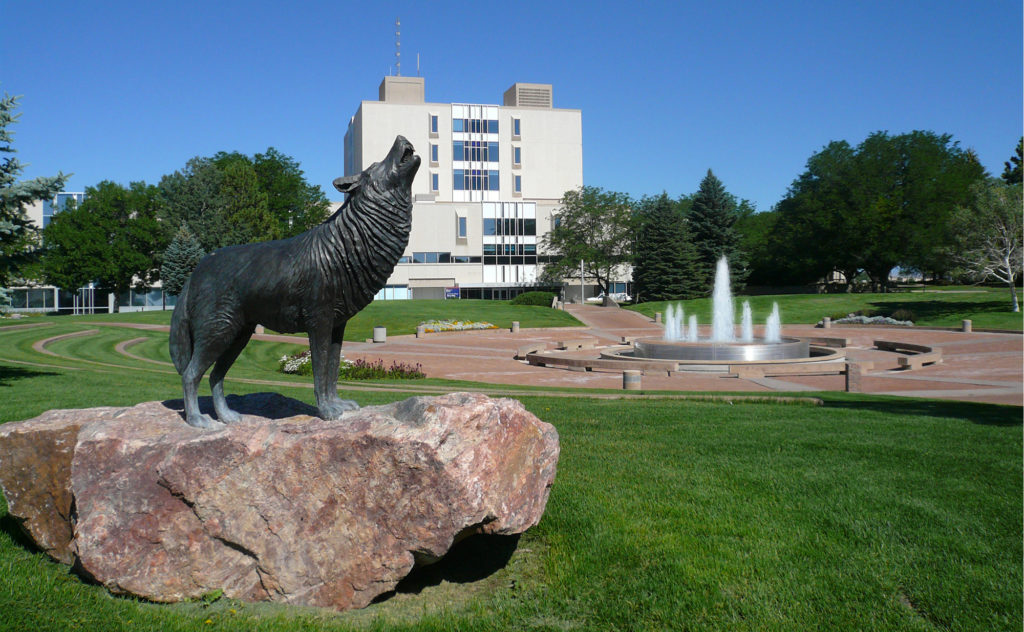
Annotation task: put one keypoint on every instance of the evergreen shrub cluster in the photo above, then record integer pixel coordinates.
(534, 298)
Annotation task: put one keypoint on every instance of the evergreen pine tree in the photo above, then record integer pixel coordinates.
(712, 217)
(665, 263)
(180, 259)
(18, 236)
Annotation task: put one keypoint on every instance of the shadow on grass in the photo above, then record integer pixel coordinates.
(976, 413)
(12, 527)
(943, 309)
(10, 374)
(475, 558)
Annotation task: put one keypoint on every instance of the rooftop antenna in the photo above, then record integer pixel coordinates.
(398, 47)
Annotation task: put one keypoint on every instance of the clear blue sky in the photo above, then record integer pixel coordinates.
(130, 91)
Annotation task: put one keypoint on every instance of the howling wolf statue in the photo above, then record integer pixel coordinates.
(313, 282)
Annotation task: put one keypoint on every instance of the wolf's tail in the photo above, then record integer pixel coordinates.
(180, 339)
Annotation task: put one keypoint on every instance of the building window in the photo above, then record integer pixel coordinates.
(490, 227)
(433, 153)
(475, 150)
(517, 156)
(517, 186)
(433, 182)
(515, 128)
(475, 126)
(475, 180)
(460, 227)
(431, 257)
(433, 124)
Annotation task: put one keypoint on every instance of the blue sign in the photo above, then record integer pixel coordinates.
(451, 292)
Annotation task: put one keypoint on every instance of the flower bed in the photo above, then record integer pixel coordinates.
(302, 364)
(435, 326)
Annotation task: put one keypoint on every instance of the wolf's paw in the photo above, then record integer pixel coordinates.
(200, 420)
(228, 416)
(336, 408)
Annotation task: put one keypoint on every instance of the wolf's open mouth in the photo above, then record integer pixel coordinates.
(407, 154)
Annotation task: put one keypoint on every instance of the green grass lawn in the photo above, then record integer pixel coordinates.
(867, 513)
(400, 317)
(936, 307)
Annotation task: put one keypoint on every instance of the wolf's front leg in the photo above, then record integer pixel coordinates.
(326, 356)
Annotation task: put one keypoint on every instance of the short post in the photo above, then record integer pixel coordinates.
(380, 334)
(854, 376)
(826, 322)
(515, 326)
(657, 317)
(260, 329)
(421, 331)
(631, 380)
(966, 326)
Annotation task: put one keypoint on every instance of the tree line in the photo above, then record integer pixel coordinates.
(916, 201)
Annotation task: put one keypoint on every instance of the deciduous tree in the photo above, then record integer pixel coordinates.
(990, 241)
(113, 238)
(593, 226)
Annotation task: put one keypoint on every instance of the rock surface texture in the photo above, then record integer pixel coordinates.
(282, 506)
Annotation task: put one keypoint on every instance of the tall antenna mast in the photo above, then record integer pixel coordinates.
(398, 46)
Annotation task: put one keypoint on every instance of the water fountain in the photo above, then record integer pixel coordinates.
(682, 344)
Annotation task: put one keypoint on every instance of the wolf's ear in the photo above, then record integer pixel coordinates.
(348, 184)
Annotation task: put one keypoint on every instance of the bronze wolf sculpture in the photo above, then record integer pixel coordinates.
(313, 282)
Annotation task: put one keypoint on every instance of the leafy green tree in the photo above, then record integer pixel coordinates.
(1012, 168)
(245, 205)
(113, 238)
(754, 230)
(665, 259)
(294, 203)
(232, 198)
(18, 236)
(593, 226)
(180, 259)
(885, 203)
(712, 218)
(990, 241)
(193, 196)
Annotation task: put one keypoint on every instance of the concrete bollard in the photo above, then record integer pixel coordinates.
(515, 326)
(826, 323)
(380, 334)
(966, 326)
(260, 329)
(854, 377)
(631, 380)
(657, 317)
(421, 331)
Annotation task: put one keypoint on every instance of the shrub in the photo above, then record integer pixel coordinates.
(363, 370)
(904, 314)
(534, 298)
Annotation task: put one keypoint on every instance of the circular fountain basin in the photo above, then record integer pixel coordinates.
(706, 351)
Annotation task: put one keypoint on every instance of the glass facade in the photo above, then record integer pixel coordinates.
(475, 126)
(58, 204)
(475, 150)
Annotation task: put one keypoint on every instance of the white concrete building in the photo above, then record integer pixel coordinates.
(490, 179)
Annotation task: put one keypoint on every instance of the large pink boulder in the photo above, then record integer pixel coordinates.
(294, 509)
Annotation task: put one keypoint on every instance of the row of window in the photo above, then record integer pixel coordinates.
(475, 150)
(475, 126)
(437, 257)
(510, 226)
(510, 249)
(525, 255)
(476, 180)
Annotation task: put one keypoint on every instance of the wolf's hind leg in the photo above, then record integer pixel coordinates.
(190, 379)
(220, 369)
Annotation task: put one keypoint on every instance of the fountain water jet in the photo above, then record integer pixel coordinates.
(747, 324)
